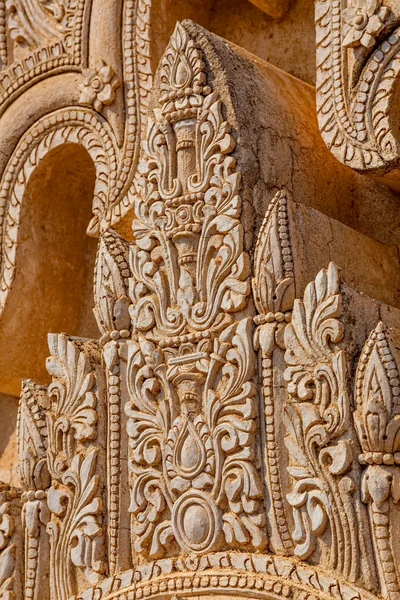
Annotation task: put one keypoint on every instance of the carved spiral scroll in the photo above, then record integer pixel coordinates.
(358, 67)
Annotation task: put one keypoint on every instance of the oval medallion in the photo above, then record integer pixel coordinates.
(196, 521)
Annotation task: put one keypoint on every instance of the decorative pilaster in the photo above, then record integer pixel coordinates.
(75, 455)
(377, 419)
(273, 291)
(112, 313)
(35, 480)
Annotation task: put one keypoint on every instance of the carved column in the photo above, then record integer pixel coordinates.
(112, 314)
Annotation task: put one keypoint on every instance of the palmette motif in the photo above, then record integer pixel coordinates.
(192, 414)
(317, 417)
(75, 438)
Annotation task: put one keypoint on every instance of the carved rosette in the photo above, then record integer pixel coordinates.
(377, 419)
(192, 413)
(75, 459)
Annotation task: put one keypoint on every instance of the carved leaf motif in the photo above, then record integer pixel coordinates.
(172, 455)
(273, 281)
(86, 538)
(191, 418)
(111, 284)
(32, 437)
(181, 65)
(377, 420)
(377, 417)
(223, 268)
(167, 294)
(357, 71)
(317, 418)
(76, 501)
(73, 415)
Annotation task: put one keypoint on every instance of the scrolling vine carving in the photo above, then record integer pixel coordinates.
(193, 403)
(74, 498)
(317, 416)
(357, 71)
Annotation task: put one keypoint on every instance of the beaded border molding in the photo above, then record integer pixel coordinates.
(262, 576)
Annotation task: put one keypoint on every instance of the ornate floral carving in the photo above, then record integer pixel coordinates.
(356, 79)
(363, 23)
(317, 421)
(377, 420)
(111, 284)
(177, 324)
(74, 498)
(189, 219)
(192, 439)
(192, 411)
(35, 480)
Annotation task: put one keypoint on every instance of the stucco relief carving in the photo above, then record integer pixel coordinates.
(75, 461)
(273, 292)
(192, 414)
(377, 422)
(357, 74)
(212, 441)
